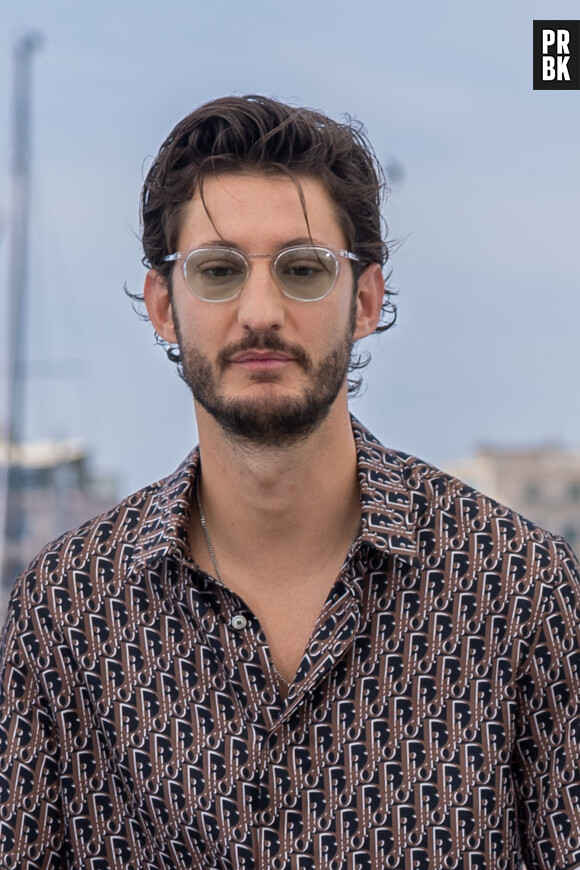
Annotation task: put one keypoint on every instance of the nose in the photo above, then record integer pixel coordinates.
(261, 304)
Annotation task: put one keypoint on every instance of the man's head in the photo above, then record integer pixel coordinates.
(205, 185)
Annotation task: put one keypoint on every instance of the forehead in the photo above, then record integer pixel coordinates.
(260, 213)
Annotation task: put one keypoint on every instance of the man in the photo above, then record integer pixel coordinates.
(300, 650)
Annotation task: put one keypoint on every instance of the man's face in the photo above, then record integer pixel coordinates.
(266, 367)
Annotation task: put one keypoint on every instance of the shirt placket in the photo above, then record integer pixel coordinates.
(264, 788)
(277, 837)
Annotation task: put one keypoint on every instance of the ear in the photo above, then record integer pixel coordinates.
(370, 295)
(158, 303)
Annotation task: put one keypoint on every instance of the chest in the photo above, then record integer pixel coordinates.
(373, 755)
(395, 741)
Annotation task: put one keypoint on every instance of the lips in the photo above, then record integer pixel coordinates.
(260, 356)
(262, 351)
(261, 360)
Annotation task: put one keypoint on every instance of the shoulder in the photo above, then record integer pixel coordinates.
(109, 545)
(474, 562)
(445, 519)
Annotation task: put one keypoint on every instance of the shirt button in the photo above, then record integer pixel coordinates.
(238, 622)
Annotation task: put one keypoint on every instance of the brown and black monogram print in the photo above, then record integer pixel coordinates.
(434, 722)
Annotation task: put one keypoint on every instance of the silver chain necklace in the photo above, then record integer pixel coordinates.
(219, 575)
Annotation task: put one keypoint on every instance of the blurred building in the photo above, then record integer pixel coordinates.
(542, 483)
(50, 490)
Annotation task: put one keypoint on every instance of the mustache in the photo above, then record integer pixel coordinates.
(264, 341)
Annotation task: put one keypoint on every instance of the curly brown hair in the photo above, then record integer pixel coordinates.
(257, 134)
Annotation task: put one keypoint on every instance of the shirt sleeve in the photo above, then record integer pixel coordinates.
(31, 823)
(547, 750)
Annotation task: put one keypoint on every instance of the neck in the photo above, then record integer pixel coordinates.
(279, 500)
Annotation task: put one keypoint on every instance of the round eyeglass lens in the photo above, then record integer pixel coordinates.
(215, 274)
(306, 273)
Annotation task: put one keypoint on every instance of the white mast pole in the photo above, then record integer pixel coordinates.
(17, 277)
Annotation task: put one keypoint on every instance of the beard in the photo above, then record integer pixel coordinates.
(266, 420)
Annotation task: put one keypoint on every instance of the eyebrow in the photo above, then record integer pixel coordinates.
(290, 243)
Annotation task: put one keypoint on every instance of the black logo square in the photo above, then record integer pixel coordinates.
(556, 55)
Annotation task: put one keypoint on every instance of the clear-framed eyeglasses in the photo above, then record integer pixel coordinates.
(303, 272)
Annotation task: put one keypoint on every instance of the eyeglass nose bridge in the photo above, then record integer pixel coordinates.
(259, 256)
(273, 262)
(247, 260)
(273, 259)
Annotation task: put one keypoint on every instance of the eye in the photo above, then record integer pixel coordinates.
(306, 265)
(302, 270)
(218, 269)
(212, 266)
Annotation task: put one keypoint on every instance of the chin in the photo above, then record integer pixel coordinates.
(268, 421)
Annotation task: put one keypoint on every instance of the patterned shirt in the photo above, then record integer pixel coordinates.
(434, 721)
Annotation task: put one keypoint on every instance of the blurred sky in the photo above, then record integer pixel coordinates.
(485, 209)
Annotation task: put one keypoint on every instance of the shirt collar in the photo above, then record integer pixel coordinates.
(165, 525)
(391, 501)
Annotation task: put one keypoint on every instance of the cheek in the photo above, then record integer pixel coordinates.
(324, 333)
(194, 327)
